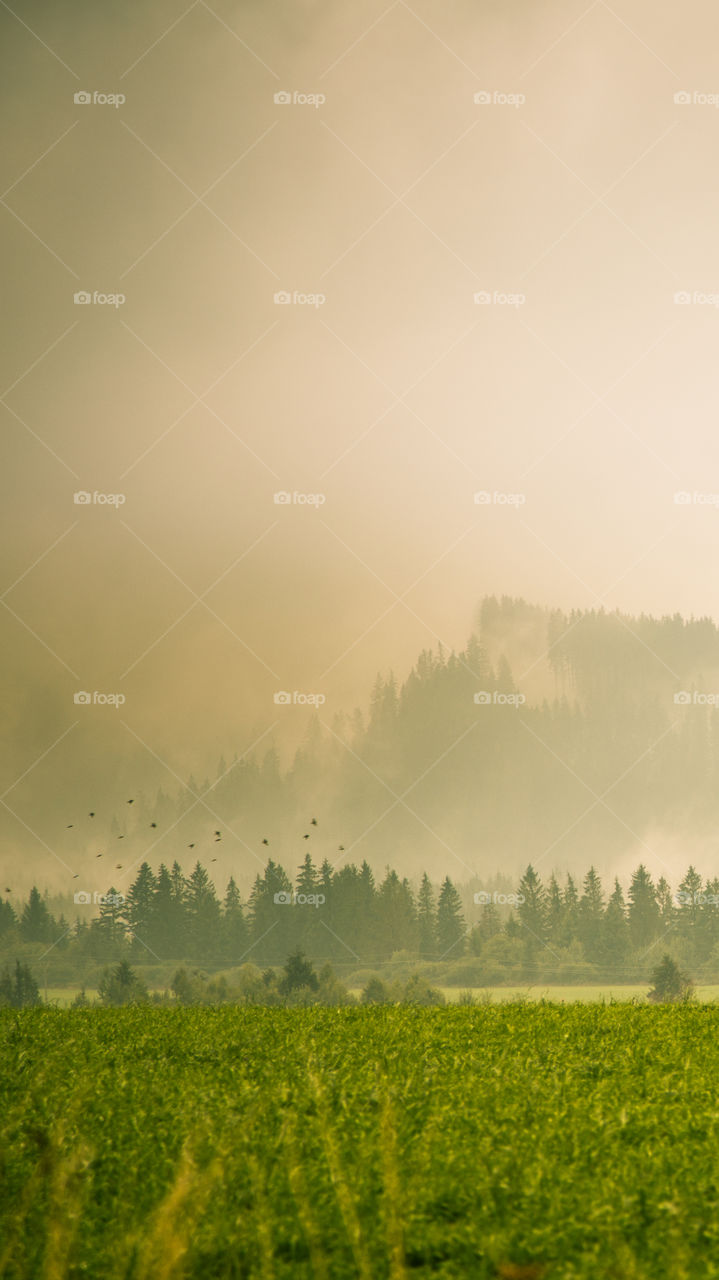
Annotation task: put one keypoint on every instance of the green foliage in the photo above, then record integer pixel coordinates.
(510, 1140)
(121, 985)
(670, 985)
(18, 989)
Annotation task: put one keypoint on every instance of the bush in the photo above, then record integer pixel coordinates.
(671, 986)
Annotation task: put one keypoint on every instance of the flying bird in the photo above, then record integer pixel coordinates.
(213, 859)
(131, 802)
(153, 824)
(313, 822)
(98, 855)
(118, 866)
(8, 890)
(190, 846)
(218, 833)
(67, 828)
(265, 842)
(91, 815)
(306, 837)
(340, 848)
(121, 837)
(77, 876)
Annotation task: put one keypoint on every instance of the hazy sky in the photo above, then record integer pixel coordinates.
(581, 188)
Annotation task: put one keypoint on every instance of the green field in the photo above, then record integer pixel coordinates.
(516, 1141)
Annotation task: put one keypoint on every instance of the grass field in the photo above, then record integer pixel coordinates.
(518, 1141)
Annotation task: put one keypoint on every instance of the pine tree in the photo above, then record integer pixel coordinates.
(532, 908)
(591, 915)
(203, 915)
(139, 905)
(450, 922)
(396, 916)
(36, 923)
(19, 989)
(8, 919)
(615, 930)
(643, 910)
(234, 931)
(427, 919)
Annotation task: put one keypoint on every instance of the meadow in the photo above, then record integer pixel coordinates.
(520, 1141)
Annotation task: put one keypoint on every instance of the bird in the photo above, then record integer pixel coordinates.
(218, 834)
(314, 822)
(306, 837)
(340, 848)
(153, 824)
(265, 842)
(213, 859)
(98, 855)
(118, 866)
(121, 837)
(77, 876)
(70, 824)
(190, 846)
(8, 890)
(91, 815)
(131, 802)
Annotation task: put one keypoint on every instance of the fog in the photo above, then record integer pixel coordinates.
(580, 399)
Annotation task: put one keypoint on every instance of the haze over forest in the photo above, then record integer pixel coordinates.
(580, 413)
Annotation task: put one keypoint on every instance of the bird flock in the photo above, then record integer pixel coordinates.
(191, 845)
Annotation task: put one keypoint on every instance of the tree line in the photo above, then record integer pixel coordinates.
(345, 916)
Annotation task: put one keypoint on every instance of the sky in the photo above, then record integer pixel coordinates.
(495, 224)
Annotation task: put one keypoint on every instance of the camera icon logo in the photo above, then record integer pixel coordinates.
(482, 498)
(682, 298)
(682, 97)
(82, 498)
(283, 97)
(283, 497)
(483, 299)
(482, 98)
(682, 699)
(283, 898)
(82, 698)
(482, 899)
(82, 298)
(82, 97)
(482, 698)
(283, 297)
(282, 699)
(82, 898)
(682, 498)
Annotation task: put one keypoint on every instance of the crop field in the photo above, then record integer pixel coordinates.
(517, 1141)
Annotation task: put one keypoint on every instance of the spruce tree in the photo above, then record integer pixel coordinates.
(450, 922)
